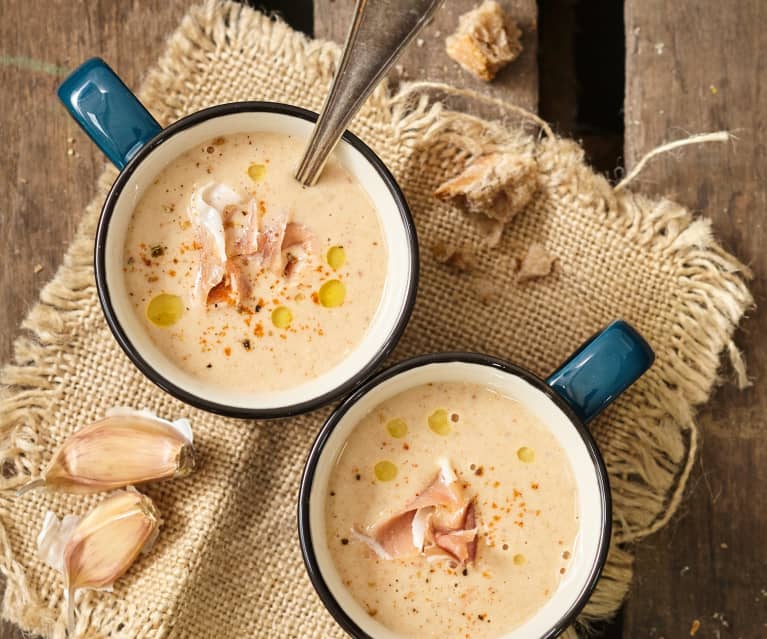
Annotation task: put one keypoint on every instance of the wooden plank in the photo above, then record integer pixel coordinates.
(43, 188)
(694, 67)
(426, 59)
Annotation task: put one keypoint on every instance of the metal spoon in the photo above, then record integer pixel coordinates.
(380, 31)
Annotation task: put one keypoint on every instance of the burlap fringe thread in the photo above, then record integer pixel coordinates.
(713, 307)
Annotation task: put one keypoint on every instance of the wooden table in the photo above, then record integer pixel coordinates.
(690, 67)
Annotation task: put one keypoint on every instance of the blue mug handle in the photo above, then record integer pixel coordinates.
(602, 368)
(107, 111)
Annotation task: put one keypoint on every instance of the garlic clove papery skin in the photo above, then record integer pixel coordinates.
(122, 449)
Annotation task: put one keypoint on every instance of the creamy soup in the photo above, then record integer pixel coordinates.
(243, 277)
(451, 512)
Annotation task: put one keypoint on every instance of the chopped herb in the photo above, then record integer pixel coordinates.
(258, 308)
(158, 250)
(465, 572)
(246, 344)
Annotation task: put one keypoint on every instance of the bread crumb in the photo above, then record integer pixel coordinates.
(486, 40)
(460, 259)
(497, 186)
(487, 285)
(487, 290)
(37, 268)
(536, 264)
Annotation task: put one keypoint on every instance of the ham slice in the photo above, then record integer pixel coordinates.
(273, 227)
(299, 246)
(205, 214)
(439, 524)
(230, 233)
(244, 226)
(233, 288)
(281, 246)
(393, 538)
(461, 541)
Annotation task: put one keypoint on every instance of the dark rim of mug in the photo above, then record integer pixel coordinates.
(304, 525)
(200, 402)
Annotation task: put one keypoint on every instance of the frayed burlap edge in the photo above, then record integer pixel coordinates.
(716, 298)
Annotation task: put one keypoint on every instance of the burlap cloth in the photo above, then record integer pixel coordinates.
(228, 561)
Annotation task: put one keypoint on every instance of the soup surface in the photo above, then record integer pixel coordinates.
(451, 512)
(244, 278)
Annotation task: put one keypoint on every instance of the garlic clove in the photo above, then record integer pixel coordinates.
(122, 449)
(106, 542)
(95, 551)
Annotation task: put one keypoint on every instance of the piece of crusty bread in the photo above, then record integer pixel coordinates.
(486, 40)
(494, 188)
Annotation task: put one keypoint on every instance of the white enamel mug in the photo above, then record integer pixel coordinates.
(564, 402)
(125, 131)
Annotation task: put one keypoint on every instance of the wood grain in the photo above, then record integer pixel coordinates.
(690, 68)
(426, 58)
(44, 188)
(694, 67)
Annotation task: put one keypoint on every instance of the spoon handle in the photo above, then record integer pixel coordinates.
(380, 31)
